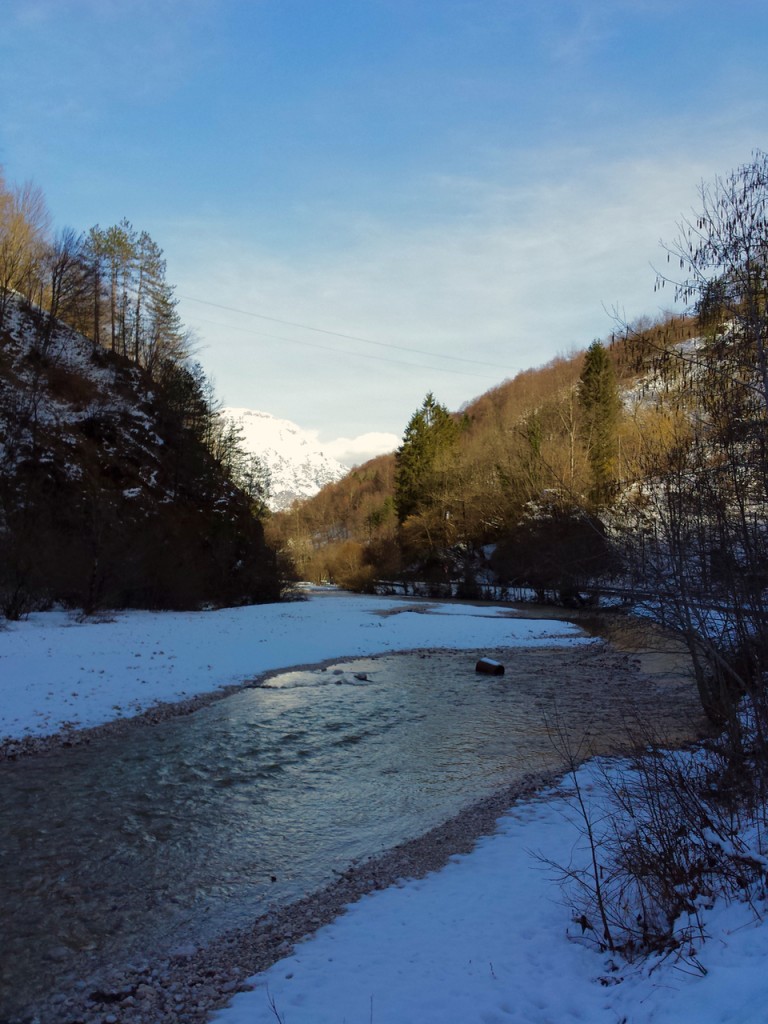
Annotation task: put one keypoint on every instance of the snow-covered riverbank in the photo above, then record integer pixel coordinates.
(486, 938)
(57, 672)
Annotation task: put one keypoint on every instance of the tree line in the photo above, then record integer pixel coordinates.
(109, 284)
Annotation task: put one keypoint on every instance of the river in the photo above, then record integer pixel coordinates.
(126, 848)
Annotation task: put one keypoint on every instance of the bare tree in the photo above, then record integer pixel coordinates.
(64, 279)
(699, 514)
(24, 226)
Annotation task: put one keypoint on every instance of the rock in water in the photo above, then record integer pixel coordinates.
(489, 667)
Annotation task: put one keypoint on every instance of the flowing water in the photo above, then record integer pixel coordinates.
(130, 846)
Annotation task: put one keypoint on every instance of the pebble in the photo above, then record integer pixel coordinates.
(186, 949)
(57, 953)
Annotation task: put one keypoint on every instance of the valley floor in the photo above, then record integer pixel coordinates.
(488, 937)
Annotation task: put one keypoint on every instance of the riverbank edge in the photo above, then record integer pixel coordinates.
(191, 984)
(24, 747)
(17, 748)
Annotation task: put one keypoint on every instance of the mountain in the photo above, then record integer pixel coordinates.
(298, 468)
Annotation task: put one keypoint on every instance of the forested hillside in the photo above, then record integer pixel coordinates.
(120, 483)
(525, 469)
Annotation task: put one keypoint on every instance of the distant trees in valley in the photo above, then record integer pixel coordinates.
(489, 495)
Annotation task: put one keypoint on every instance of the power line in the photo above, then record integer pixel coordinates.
(337, 334)
(328, 348)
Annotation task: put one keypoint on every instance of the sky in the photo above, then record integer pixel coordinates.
(361, 201)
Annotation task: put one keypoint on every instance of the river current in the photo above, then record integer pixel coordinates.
(131, 846)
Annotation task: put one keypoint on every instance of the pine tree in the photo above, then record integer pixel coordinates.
(429, 437)
(600, 405)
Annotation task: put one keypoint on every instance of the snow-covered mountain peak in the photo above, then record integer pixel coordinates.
(297, 465)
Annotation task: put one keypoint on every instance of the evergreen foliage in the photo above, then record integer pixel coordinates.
(600, 405)
(421, 460)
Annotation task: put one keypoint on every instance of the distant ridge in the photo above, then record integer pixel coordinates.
(297, 465)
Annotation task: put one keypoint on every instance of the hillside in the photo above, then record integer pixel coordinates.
(112, 492)
(523, 450)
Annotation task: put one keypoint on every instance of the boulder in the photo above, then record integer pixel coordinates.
(489, 667)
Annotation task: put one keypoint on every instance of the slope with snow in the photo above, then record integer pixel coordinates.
(108, 496)
(298, 468)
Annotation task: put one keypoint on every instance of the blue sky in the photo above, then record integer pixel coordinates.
(469, 186)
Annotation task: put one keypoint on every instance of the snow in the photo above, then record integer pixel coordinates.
(489, 938)
(297, 465)
(56, 672)
(60, 417)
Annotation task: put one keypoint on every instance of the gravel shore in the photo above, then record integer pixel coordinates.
(187, 987)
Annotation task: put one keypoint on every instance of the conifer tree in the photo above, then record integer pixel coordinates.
(429, 437)
(600, 405)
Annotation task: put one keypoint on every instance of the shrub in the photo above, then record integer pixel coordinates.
(663, 838)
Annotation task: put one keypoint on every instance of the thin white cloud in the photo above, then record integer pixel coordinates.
(354, 451)
(577, 42)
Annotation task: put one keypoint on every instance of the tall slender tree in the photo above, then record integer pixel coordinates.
(119, 252)
(600, 405)
(65, 279)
